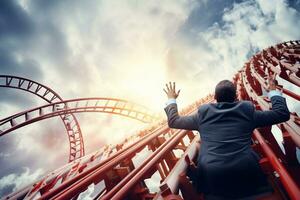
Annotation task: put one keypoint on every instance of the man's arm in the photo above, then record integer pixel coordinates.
(279, 113)
(174, 120)
(180, 122)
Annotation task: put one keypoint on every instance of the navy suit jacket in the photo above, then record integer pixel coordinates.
(227, 165)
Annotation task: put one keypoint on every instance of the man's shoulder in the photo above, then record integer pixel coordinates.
(246, 106)
(203, 107)
(246, 103)
(238, 104)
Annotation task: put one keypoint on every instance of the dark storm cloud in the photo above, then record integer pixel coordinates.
(52, 44)
(29, 38)
(14, 21)
(16, 30)
(294, 4)
(25, 67)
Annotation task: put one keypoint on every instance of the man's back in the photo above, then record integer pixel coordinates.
(226, 128)
(227, 165)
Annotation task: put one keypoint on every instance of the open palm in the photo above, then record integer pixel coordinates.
(171, 91)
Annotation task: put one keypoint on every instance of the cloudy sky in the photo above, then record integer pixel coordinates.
(125, 49)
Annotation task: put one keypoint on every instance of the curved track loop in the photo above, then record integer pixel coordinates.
(71, 124)
(66, 108)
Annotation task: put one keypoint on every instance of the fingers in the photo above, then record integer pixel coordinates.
(271, 79)
(166, 91)
(170, 85)
(178, 92)
(167, 87)
(272, 83)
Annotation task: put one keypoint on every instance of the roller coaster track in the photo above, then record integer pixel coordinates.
(71, 124)
(124, 171)
(66, 108)
(83, 168)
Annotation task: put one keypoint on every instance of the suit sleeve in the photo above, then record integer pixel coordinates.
(279, 113)
(189, 122)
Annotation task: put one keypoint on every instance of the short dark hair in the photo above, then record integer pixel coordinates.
(225, 91)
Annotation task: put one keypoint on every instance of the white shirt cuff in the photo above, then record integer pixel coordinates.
(274, 93)
(170, 101)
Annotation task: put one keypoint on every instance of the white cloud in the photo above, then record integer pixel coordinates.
(220, 51)
(20, 180)
(252, 24)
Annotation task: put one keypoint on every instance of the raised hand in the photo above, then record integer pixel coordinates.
(272, 83)
(170, 91)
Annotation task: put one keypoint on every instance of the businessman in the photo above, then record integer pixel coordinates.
(227, 167)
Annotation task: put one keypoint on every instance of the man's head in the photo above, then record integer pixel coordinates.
(225, 91)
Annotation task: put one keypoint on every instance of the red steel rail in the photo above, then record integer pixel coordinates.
(67, 107)
(76, 147)
(128, 182)
(171, 182)
(75, 177)
(81, 185)
(286, 179)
